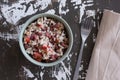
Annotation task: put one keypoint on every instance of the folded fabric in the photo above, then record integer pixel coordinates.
(105, 60)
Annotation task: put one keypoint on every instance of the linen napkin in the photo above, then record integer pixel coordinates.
(105, 60)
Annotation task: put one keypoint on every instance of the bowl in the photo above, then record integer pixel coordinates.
(68, 31)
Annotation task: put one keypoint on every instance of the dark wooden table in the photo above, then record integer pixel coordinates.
(14, 13)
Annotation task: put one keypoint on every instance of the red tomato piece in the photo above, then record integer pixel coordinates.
(44, 47)
(27, 39)
(37, 56)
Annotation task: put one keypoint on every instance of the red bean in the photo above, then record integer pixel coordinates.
(33, 37)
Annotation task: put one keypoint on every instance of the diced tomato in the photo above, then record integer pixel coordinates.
(37, 56)
(27, 39)
(44, 47)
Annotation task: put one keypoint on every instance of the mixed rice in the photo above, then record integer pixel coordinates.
(45, 39)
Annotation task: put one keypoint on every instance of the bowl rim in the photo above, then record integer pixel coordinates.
(69, 32)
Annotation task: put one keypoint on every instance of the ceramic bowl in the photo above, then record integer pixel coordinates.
(68, 30)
